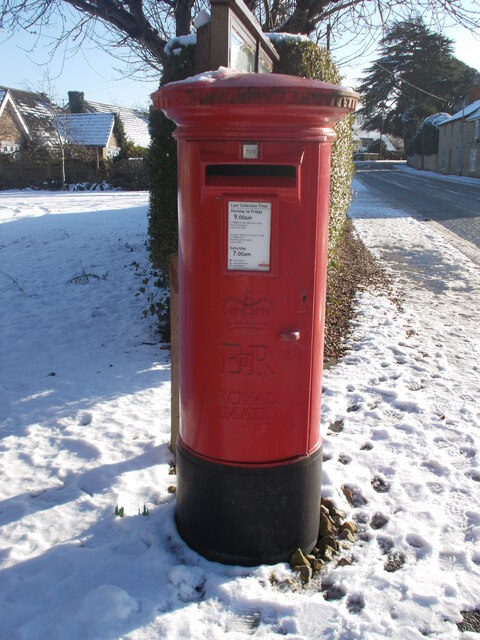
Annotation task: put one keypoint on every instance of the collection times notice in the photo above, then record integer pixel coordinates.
(249, 226)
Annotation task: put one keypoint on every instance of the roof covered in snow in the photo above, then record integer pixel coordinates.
(435, 119)
(469, 113)
(134, 122)
(34, 110)
(371, 136)
(87, 129)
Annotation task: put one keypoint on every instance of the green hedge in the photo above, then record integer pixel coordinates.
(163, 217)
(425, 141)
(304, 58)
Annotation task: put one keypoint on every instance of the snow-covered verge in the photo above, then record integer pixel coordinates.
(440, 176)
(85, 401)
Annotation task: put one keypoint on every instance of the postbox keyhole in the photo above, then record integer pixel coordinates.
(304, 298)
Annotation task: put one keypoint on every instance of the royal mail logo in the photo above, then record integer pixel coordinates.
(246, 360)
(248, 313)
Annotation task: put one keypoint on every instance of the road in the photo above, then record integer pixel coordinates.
(455, 205)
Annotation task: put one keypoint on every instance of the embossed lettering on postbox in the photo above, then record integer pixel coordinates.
(246, 360)
(248, 312)
(246, 405)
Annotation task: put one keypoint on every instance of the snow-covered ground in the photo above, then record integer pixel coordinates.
(85, 402)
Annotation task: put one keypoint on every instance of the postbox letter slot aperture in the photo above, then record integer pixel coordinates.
(251, 175)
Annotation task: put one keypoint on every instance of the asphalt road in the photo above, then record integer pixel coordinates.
(453, 205)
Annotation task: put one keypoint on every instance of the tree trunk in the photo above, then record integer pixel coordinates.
(62, 167)
(183, 17)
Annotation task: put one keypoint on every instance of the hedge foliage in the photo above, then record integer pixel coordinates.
(304, 58)
(425, 141)
(163, 216)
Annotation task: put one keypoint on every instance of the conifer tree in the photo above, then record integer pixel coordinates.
(415, 75)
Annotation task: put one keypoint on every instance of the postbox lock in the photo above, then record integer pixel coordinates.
(290, 336)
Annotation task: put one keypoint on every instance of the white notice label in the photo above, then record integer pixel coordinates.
(249, 236)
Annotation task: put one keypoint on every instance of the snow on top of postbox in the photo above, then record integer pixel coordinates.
(229, 86)
(208, 77)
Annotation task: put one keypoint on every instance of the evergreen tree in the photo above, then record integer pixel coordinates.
(415, 76)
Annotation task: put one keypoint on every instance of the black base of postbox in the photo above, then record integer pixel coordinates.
(248, 516)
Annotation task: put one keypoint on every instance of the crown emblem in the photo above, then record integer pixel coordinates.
(248, 313)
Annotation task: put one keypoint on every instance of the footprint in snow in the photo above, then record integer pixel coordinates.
(353, 495)
(85, 419)
(379, 484)
(355, 602)
(378, 521)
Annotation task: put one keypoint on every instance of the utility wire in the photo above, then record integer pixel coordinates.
(432, 95)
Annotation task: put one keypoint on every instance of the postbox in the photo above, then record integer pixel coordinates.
(253, 189)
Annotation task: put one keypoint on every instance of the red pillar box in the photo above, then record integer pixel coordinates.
(254, 177)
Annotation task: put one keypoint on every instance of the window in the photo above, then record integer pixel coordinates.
(242, 48)
(473, 158)
(475, 131)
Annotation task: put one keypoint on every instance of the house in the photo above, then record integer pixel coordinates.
(24, 115)
(363, 139)
(91, 131)
(135, 123)
(459, 142)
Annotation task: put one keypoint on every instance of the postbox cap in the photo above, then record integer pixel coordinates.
(269, 99)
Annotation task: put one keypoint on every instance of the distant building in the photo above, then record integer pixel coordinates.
(459, 142)
(24, 115)
(363, 139)
(91, 131)
(30, 116)
(135, 123)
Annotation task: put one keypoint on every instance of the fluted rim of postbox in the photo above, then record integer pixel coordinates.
(226, 87)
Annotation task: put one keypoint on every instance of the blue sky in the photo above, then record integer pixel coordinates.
(100, 77)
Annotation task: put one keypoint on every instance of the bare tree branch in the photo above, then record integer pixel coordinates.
(138, 30)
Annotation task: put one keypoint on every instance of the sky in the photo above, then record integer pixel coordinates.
(26, 64)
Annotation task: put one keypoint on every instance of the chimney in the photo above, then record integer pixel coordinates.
(76, 102)
(474, 91)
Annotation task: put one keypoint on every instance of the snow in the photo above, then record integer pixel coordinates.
(467, 180)
(203, 18)
(174, 45)
(209, 77)
(275, 37)
(469, 113)
(435, 119)
(87, 128)
(85, 404)
(135, 123)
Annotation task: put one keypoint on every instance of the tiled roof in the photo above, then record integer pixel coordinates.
(469, 113)
(87, 129)
(475, 113)
(36, 112)
(134, 122)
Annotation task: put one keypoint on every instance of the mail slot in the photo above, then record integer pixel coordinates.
(254, 176)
